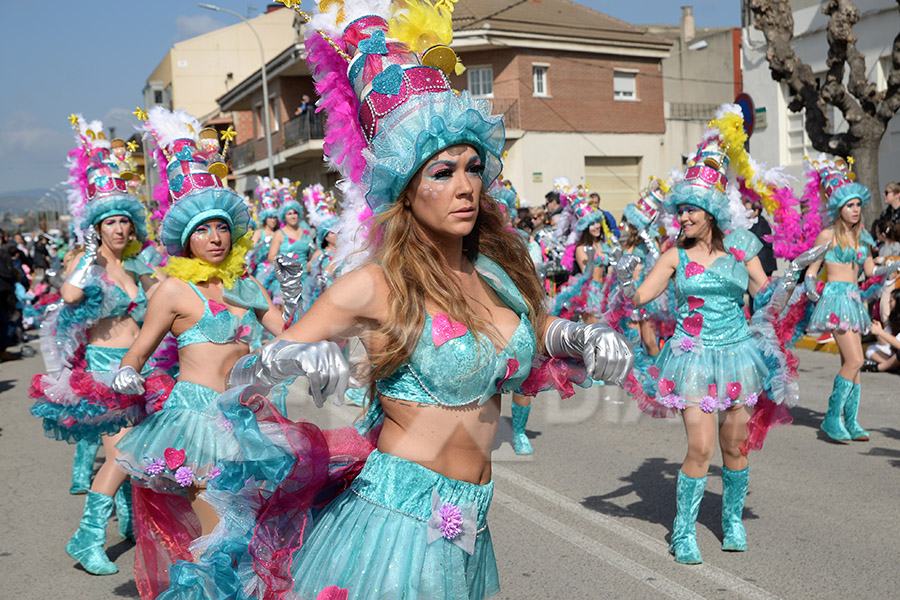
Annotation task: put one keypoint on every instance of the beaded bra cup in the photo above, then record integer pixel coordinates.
(120, 304)
(838, 254)
(453, 366)
(219, 326)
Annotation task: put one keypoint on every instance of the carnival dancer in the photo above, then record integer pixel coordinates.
(321, 267)
(105, 297)
(839, 308)
(267, 215)
(590, 240)
(215, 311)
(720, 373)
(294, 239)
(451, 313)
(639, 238)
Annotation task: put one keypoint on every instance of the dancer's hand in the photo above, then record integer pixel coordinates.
(289, 272)
(887, 268)
(80, 275)
(128, 381)
(624, 267)
(652, 250)
(607, 355)
(811, 292)
(320, 362)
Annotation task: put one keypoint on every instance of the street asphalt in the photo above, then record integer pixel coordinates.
(587, 516)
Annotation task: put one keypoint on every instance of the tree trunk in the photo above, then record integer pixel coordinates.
(866, 169)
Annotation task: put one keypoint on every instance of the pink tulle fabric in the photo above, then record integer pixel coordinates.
(766, 417)
(327, 462)
(554, 373)
(568, 258)
(344, 140)
(161, 189)
(164, 527)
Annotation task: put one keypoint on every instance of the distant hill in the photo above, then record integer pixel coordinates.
(23, 201)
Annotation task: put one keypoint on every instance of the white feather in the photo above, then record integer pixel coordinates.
(167, 126)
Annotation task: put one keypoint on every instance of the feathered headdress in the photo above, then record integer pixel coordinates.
(266, 199)
(98, 187)
(381, 74)
(195, 189)
(320, 210)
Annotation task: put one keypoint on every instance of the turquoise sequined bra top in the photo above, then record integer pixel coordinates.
(452, 366)
(710, 299)
(218, 326)
(117, 302)
(296, 248)
(838, 254)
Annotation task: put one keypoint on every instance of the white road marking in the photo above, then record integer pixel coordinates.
(592, 546)
(714, 574)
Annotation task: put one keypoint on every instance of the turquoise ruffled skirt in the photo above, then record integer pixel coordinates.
(841, 308)
(79, 402)
(181, 444)
(373, 538)
(710, 375)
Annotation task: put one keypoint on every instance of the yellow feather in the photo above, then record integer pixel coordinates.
(195, 270)
(420, 26)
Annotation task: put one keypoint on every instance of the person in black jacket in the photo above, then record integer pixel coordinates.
(9, 275)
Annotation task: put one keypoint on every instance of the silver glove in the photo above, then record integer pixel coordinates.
(607, 355)
(652, 250)
(289, 272)
(591, 253)
(79, 276)
(811, 292)
(320, 362)
(128, 381)
(887, 268)
(804, 259)
(625, 266)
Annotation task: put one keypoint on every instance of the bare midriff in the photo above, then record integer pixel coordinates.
(209, 364)
(455, 441)
(115, 332)
(844, 272)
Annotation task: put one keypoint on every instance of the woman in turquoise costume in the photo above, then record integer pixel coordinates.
(267, 214)
(839, 308)
(320, 270)
(638, 237)
(724, 376)
(412, 523)
(216, 313)
(105, 297)
(592, 239)
(294, 239)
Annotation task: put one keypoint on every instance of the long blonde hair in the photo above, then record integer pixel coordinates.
(416, 272)
(844, 236)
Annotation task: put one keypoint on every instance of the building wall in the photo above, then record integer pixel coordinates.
(564, 155)
(580, 88)
(878, 25)
(198, 68)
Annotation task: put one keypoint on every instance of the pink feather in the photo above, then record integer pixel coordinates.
(161, 189)
(344, 139)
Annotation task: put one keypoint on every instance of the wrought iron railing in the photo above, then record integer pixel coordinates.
(509, 108)
(302, 128)
(243, 154)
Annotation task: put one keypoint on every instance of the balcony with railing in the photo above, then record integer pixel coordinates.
(509, 108)
(302, 128)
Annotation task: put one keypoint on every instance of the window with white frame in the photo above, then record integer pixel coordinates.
(539, 79)
(275, 115)
(798, 144)
(624, 85)
(481, 81)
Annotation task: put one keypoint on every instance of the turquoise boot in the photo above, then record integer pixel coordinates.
(83, 465)
(519, 418)
(688, 494)
(86, 546)
(123, 511)
(833, 425)
(734, 491)
(857, 433)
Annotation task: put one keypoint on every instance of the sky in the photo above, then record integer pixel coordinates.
(93, 57)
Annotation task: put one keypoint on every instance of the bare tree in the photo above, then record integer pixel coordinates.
(866, 109)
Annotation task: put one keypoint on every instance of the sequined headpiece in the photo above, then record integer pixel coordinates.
(838, 184)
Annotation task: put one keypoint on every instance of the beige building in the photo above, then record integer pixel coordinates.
(198, 70)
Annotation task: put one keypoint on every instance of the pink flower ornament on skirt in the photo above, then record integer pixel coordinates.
(456, 524)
